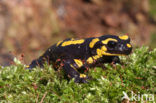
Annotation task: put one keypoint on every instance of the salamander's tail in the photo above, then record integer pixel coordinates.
(38, 62)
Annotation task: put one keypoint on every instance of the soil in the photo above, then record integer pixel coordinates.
(29, 27)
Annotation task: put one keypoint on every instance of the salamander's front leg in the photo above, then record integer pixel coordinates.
(70, 68)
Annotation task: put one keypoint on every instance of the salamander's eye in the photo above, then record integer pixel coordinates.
(112, 44)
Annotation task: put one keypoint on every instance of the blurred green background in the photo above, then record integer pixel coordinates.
(28, 27)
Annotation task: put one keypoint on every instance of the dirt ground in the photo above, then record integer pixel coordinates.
(28, 27)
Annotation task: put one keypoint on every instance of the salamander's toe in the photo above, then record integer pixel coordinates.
(81, 80)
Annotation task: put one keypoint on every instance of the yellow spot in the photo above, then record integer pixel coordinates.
(70, 42)
(93, 42)
(58, 43)
(103, 48)
(72, 39)
(99, 52)
(73, 67)
(82, 76)
(90, 60)
(96, 57)
(107, 40)
(109, 54)
(129, 45)
(27, 66)
(78, 62)
(124, 37)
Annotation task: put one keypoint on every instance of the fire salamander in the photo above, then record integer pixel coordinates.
(75, 55)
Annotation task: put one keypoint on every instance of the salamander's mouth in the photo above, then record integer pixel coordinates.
(116, 45)
(125, 52)
(120, 49)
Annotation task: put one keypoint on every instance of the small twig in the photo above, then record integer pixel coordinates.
(154, 67)
(43, 97)
(37, 98)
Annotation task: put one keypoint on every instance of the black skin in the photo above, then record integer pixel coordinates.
(63, 56)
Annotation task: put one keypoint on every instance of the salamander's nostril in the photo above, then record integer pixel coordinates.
(121, 47)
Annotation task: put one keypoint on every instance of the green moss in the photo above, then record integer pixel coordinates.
(137, 74)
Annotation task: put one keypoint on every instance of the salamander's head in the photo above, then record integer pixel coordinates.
(115, 45)
(110, 45)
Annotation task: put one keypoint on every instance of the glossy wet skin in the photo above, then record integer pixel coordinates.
(111, 45)
(119, 46)
(80, 54)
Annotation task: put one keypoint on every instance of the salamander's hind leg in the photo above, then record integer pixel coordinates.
(70, 68)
